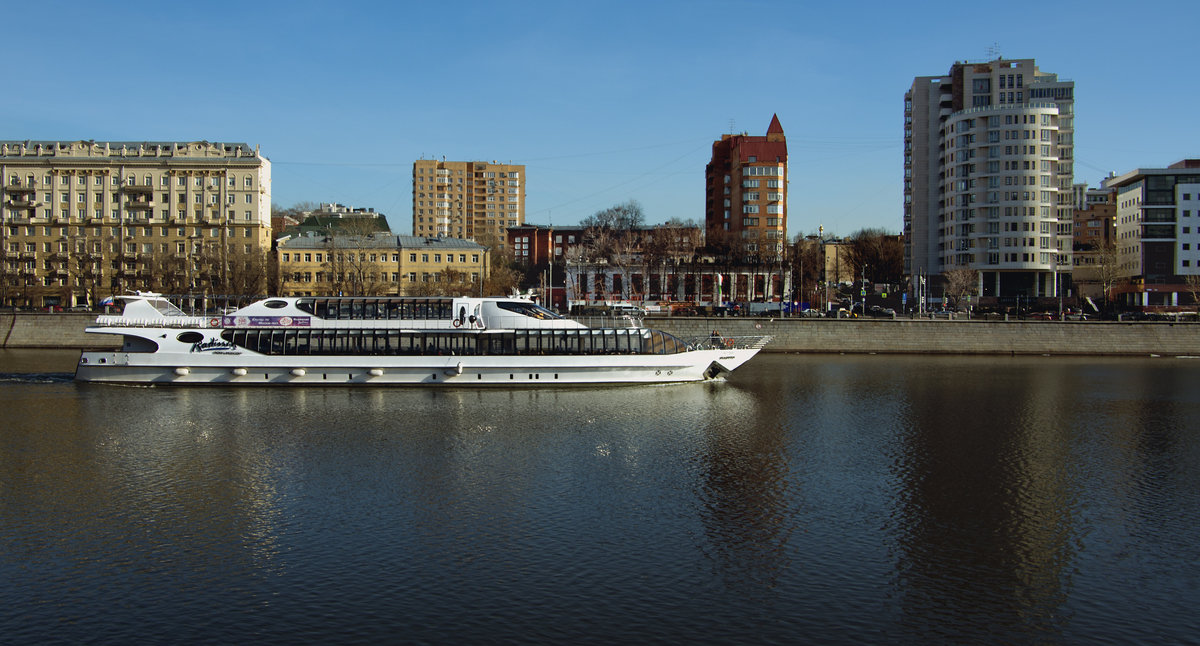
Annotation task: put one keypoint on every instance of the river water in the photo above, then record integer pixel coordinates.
(809, 499)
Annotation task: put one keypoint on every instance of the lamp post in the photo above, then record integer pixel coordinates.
(825, 268)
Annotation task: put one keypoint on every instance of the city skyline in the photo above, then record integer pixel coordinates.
(601, 107)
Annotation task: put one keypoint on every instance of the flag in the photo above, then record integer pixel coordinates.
(108, 300)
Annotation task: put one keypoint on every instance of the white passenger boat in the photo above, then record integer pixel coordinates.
(394, 341)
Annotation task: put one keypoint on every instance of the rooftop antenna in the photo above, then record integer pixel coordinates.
(993, 52)
(731, 125)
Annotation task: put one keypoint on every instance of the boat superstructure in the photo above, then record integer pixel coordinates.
(452, 341)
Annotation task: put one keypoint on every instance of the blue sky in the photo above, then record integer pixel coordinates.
(603, 102)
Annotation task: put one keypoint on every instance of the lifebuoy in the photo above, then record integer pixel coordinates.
(214, 322)
(457, 323)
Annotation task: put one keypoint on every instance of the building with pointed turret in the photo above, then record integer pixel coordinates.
(746, 183)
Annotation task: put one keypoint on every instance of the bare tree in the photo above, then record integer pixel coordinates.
(1108, 268)
(961, 282)
(502, 280)
(1192, 282)
(88, 263)
(880, 252)
(806, 265)
(247, 274)
(168, 272)
(612, 236)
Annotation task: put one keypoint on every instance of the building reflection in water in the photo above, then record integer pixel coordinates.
(937, 499)
(984, 481)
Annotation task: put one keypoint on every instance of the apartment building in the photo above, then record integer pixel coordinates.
(746, 185)
(379, 264)
(1094, 224)
(473, 200)
(988, 174)
(86, 219)
(1093, 233)
(1157, 233)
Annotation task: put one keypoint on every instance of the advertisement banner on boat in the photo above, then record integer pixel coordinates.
(265, 321)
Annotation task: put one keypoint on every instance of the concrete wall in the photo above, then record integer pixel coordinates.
(950, 337)
(65, 330)
(45, 330)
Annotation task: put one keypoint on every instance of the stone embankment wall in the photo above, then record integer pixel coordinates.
(65, 330)
(46, 330)
(951, 337)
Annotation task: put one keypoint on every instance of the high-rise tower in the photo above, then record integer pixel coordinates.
(988, 154)
(473, 200)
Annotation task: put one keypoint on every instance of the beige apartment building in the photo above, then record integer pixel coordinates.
(988, 176)
(82, 220)
(380, 264)
(473, 200)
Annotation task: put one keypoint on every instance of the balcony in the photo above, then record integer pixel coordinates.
(134, 188)
(23, 202)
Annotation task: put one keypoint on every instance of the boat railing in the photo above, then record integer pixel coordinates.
(164, 321)
(755, 342)
(619, 321)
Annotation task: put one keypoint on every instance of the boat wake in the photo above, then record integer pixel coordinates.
(36, 377)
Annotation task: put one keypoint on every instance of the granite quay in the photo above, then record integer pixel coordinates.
(857, 336)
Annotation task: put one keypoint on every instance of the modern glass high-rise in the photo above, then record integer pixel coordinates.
(988, 171)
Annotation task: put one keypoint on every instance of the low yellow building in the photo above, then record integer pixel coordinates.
(379, 265)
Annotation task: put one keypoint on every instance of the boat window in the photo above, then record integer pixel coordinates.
(275, 304)
(190, 337)
(165, 307)
(397, 342)
(527, 309)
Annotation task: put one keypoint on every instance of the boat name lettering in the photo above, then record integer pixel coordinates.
(266, 321)
(212, 344)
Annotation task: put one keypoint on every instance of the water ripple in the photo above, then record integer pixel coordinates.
(831, 499)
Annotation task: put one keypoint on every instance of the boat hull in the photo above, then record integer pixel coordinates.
(187, 369)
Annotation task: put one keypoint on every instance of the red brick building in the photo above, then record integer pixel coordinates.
(746, 185)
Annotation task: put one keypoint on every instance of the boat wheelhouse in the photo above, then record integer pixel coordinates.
(394, 341)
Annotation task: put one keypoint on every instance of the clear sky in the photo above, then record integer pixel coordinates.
(603, 102)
